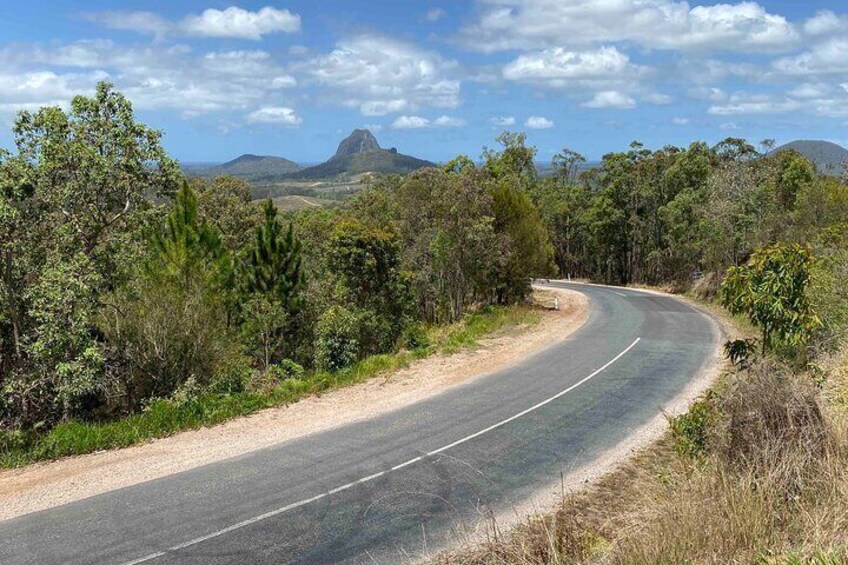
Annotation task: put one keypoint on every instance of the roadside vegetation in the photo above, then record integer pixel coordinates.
(757, 470)
(134, 303)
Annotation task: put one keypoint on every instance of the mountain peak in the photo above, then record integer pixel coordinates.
(359, 141)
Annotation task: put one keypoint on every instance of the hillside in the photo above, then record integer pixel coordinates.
(360, 153)
(253, 167)
(829, 157)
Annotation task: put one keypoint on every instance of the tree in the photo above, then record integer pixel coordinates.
(274, 264)
(170, 323)
(188, 249)
(225, 202)
(771, 291)
(365, 261)
(530, 251)
(271, 282)
(566, 163)
(73, 199)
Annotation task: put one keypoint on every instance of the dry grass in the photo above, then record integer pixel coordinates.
(772, 487)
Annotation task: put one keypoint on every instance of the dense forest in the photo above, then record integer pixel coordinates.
(122, 282)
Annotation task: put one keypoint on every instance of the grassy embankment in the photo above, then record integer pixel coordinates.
(164, 417)
(755, 472)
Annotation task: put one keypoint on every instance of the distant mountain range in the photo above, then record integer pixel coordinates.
(358, 153)
(254, 167)
(829, 157)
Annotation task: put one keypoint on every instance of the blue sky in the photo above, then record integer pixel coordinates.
(437, 78)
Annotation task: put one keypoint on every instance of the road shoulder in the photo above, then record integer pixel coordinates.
(47, 485)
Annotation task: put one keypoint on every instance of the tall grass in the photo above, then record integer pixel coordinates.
(164, 417)
(771, 487)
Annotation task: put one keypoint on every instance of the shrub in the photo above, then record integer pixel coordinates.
(691, 430)
(337, 339)
(772, 424)
(232, 377)
(414, 337)
(286, 369)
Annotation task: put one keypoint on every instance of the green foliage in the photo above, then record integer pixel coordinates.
(691, 430)
(771, 291)
(336, 339)
(287, 369)
(263, 328)
(225, 203)
(274, 264)
(365, 261)
(741, 352)
(188, 250)
(79, 184)
(170, 323)
(530, 251)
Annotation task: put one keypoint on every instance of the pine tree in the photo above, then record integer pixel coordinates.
(187, 247)
(274, 265)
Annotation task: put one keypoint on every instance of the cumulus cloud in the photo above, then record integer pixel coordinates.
(828, 57)
(610, 99)
(538, 122)
(662, 24)
(153, 77)
(448, 122)
(559, 66)
(417, 122)
(31, 90)
(825, 22)
(232, 22)
(681, 121)
(410, 122)
(383, 76)
(275, 115)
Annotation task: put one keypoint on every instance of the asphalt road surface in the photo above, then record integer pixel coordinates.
(389, 489)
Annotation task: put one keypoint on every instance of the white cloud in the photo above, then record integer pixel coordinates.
(32, 90)
(559, 66)
(232, 22)
(662, 24)
(611, 99)
(811, 90)
(825, 58)
(435, 14)
(503, 121)
(708, 93)
(745, 103)
(275, 115)
(538, 122)
(417, 122)
(139, 22)
(825, 22)
(448, 122)
(156, 77)
(681, 121)
(240, 23)
(730, 126)
(382, 76)
(410, 122)
(659, 99)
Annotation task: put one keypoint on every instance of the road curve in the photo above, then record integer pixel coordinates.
(390, 488)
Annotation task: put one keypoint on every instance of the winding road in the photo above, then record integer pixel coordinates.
(388, 489)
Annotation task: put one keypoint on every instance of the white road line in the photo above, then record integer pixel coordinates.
(318, 497)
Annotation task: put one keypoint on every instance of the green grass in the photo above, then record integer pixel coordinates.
(164, 417)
